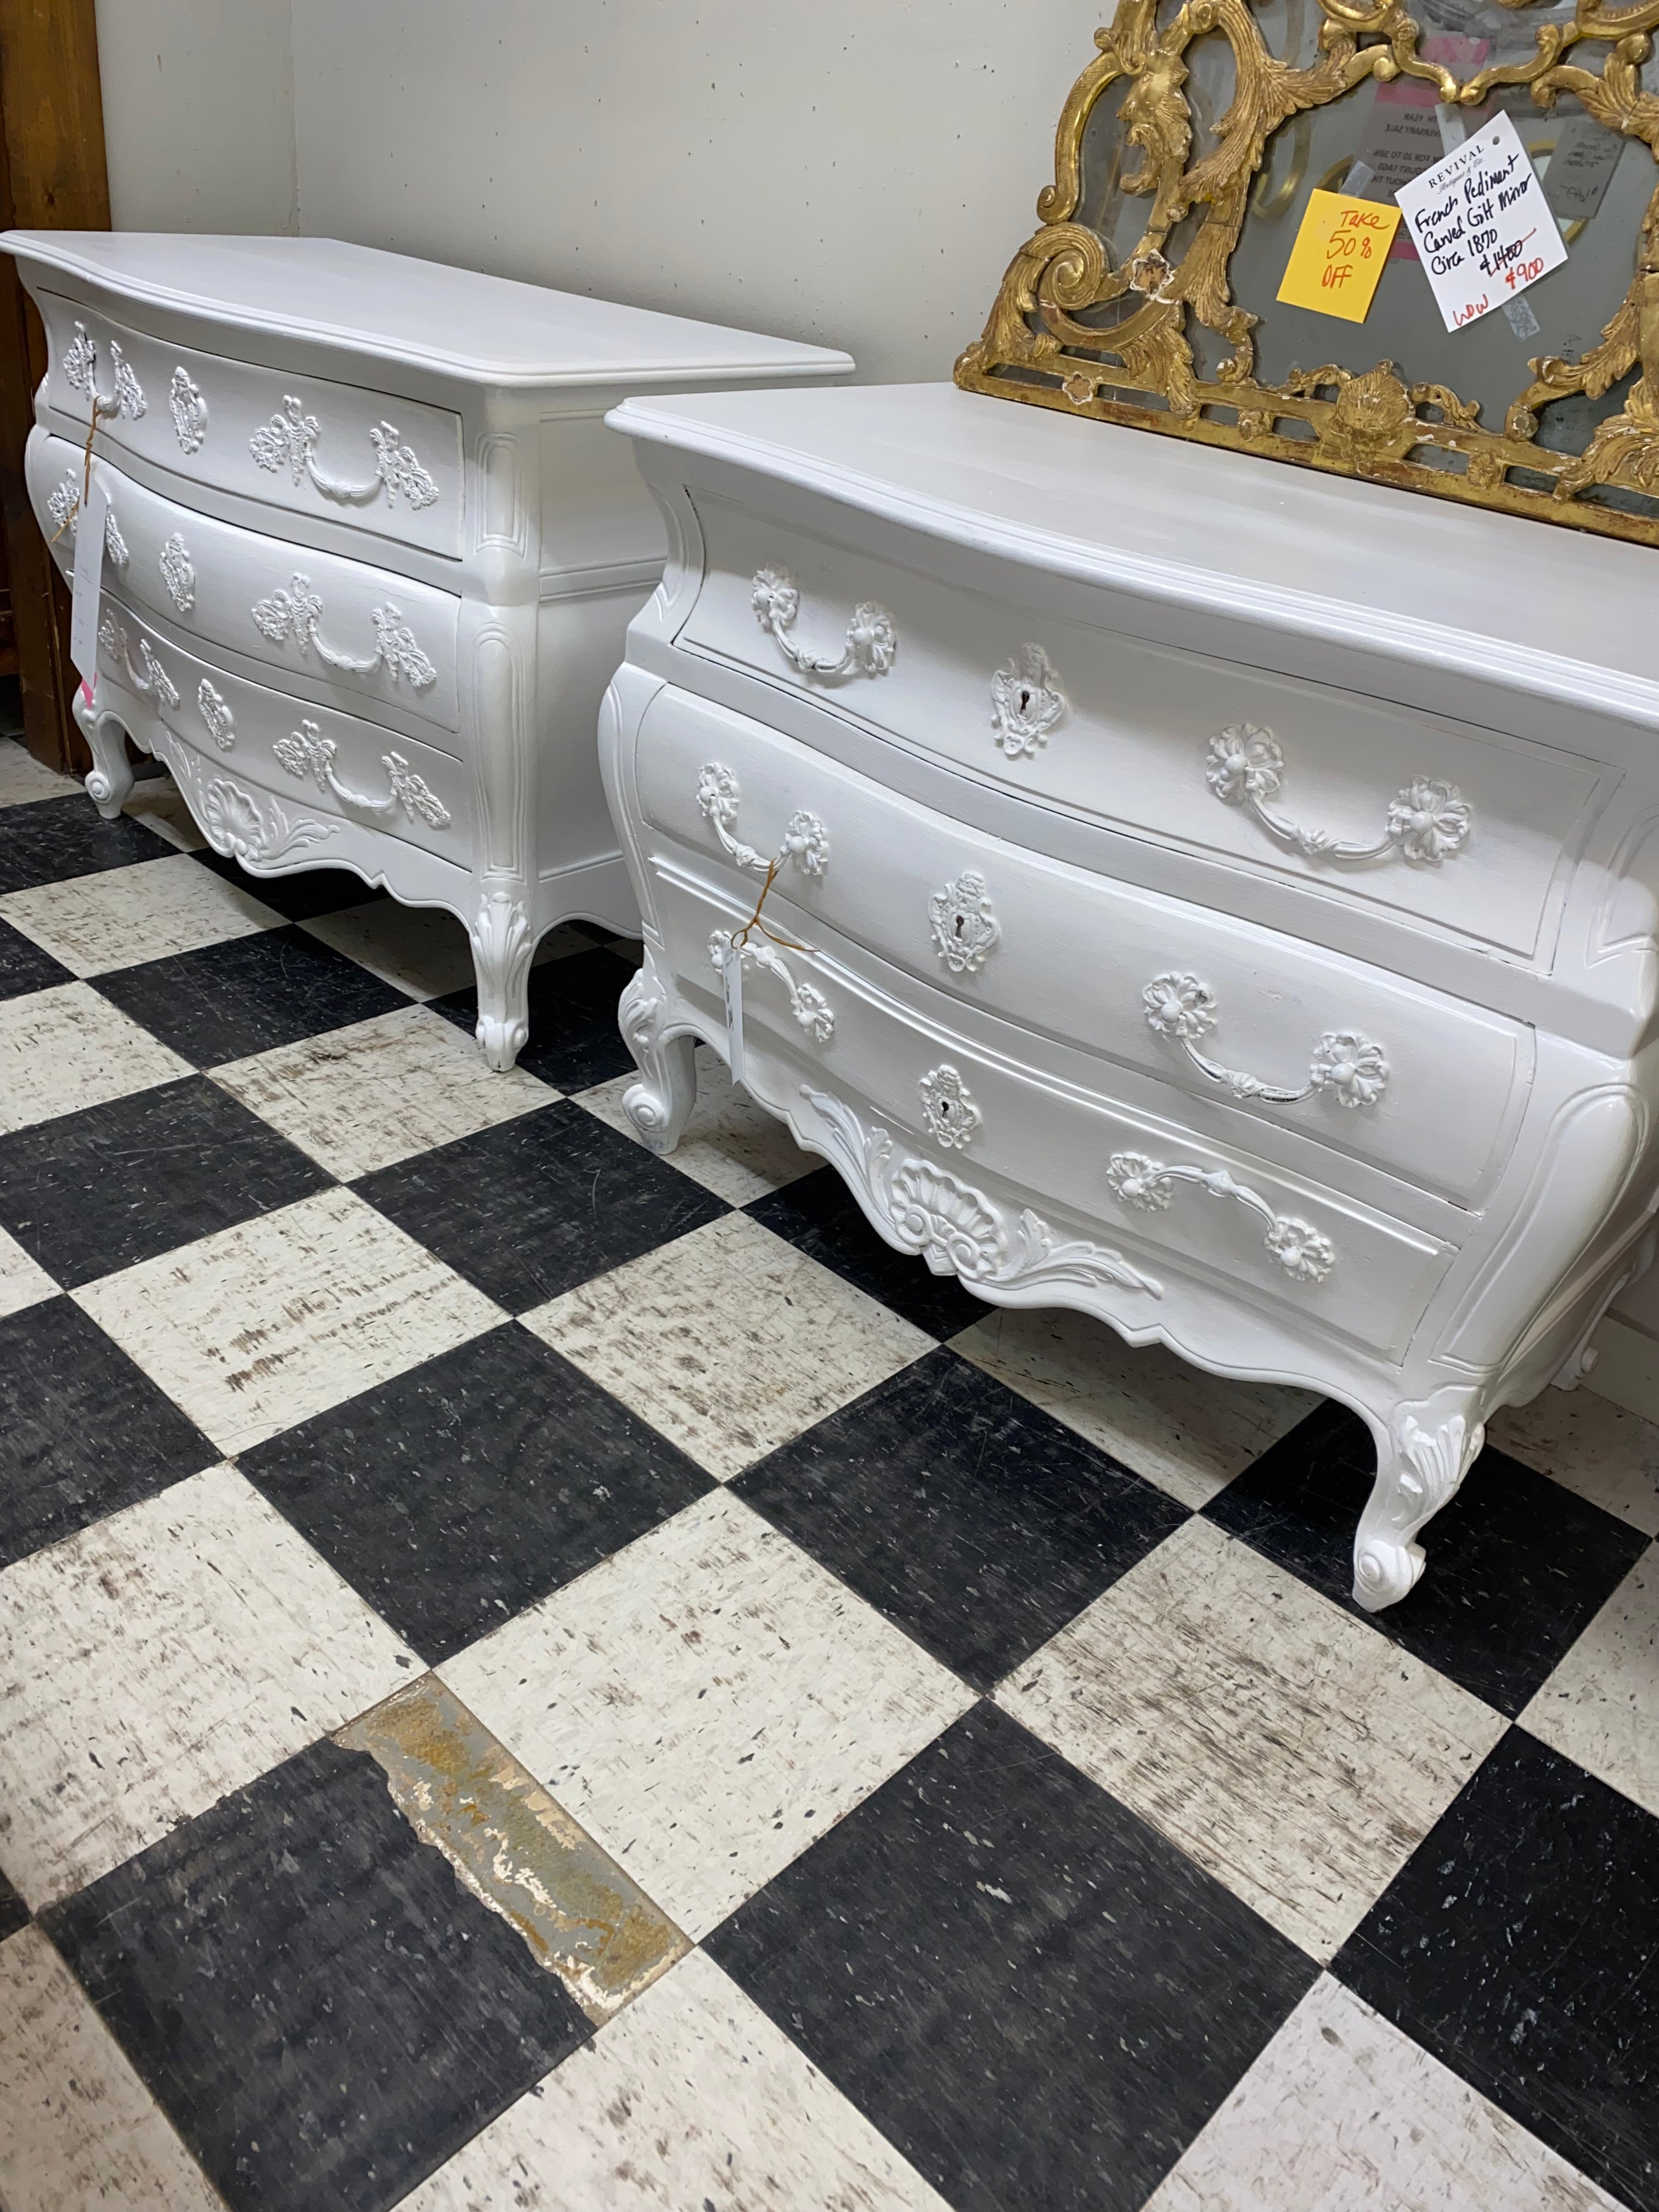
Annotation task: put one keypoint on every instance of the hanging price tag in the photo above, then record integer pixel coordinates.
(732, 972)
(88, 585)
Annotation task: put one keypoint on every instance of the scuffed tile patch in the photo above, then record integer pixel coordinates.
(516, 1849)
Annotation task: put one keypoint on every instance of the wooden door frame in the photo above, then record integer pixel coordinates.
(52, 177)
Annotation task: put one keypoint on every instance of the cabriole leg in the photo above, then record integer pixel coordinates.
(659, 1105)
(110, 782)
(501, 947)
(1429, 1449)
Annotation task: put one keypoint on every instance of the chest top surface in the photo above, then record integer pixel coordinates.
(478, 328)
(1546, 612)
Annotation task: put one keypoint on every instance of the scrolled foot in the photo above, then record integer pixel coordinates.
(501, 947)
(659, 1104)
(1383, 1572)
(501, 1039)
(1417, 1471)
(110, 782)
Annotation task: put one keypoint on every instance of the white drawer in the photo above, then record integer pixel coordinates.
(360, 630)
(1460, 828)
(1428, 1088)
(318, 762)
(1133, 1177)
(389, 466)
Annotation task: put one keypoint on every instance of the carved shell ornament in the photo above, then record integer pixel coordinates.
(1345, 1066)
(1026, 702)
(250, 828)
(1426, 822)
(966, 931)
(868, 649)
(286, 443)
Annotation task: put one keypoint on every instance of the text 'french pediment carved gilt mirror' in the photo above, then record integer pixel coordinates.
(1185, 161)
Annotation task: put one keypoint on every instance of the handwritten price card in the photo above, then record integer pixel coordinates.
(1481, 226)
(1338, 255)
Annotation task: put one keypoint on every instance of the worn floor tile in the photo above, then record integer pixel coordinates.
(359, 1098)
(456, 1494)
(961, 1511)
(1518, 1945)
(692, 2097)
(126, 915)
(1188, 1431)
(705, 1703)
(1036, 1998)
(92, 1192)
(324, 2010)
(23, 778)
(13, 1913)
(422, 950)
(78, 2128)
(820, 1216)
(158, 803)
(260, 1327)
(1518, 1567)
(1296, 1755)
(301, 894)
(24, 967)
(160, 1658)
(49, 839)
(516, 1849)
(67, 1049)
(83, 1431)
(1342, 2113)
(730, 1145)
(1593, 1446)
(574, 1042)
(22, 1283)
(1602, 1704)
(728, 1340)
(529, 1208)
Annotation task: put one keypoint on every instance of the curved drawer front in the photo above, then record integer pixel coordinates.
(360, 630)
(1364, 800)
(392, 467)
(1426, 1087)
(318, 764)
(1148, 1188)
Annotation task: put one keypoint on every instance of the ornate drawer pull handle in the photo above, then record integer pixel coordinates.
(1149, 1185)
(872, 640)
(1026, 702)
(1427, 820)
(286, 442)
(807, 847)
(1349, 1066)
(64, 507)
(297, 613)
(150, 679)
(307, 751)
(80, 370)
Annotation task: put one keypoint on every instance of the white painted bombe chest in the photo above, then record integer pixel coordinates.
(370, 557)
(1221, 897)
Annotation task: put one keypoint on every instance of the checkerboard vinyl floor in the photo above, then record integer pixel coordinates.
(535, 1677)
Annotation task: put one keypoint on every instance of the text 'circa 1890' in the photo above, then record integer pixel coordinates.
(1481, 225)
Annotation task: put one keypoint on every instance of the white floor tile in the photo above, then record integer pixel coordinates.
(705, 1703)
(68, 1047)
(122, 916)
(424, 951)
(1589, 1445)
(1291, 1749)
(22, 1283)
(690, 2098)
(23, 779)
(728, 1340)
(730, 1145)
(257, 1327)
(1343, 2113)
(160, 1658)
(1600, 1706)
(359, 1098)
(1188, 1432)
(79, 2132)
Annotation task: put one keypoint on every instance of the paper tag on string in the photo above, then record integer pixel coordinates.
(1482, 227)
(1338, 255)
(89, 584)
(731, 975)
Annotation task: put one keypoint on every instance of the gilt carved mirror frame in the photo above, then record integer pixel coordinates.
(1153, 335)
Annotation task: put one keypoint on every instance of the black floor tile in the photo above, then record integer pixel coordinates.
(82, 1430)
(455, 1495)
(574, 1038)
(23, 966)
(301, 896)
(535, 1205)
(966, 1513)
(819, 1215)
(1032, 1994)
(13, 1913)
(1517, 1566)
(49, 839)
(101, 1190)
(248, 994)
(322, 2009)
(1520, 1944)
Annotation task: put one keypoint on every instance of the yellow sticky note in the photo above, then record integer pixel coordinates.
(1338, 255)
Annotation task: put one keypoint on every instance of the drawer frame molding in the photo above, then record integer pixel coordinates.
(288, 440)
(1346, 1065)
(1428, 820)
(868, 649)
(1306, 1253)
